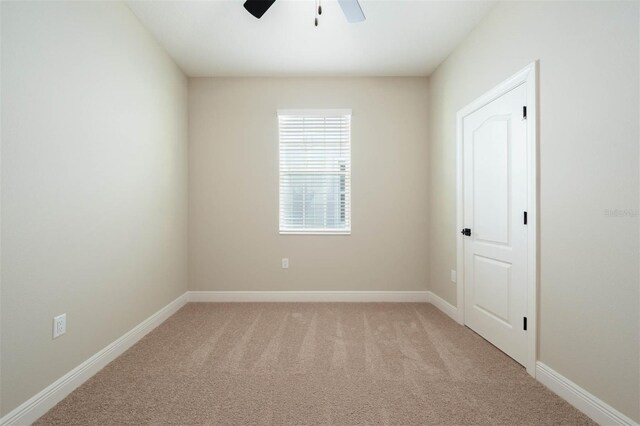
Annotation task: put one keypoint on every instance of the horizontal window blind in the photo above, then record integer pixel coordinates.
(315, 171)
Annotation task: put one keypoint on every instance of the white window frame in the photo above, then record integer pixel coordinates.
(316, 113)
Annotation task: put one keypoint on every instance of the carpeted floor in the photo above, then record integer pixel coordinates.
(312, 363)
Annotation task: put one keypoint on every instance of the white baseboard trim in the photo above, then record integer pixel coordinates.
(598, 410)
(308, 296)
(32, 409)
(443, 305)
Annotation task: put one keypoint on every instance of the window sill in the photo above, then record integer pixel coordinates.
(346, 232)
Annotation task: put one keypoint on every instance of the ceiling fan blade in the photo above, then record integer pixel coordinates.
(258, 7)
(352, 11)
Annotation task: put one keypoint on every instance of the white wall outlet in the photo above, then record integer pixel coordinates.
(285, 263)
(454, 276)
(59, 325)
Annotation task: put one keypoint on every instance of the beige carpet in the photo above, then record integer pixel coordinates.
(299, 363)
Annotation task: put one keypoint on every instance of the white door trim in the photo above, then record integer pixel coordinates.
(529, 77)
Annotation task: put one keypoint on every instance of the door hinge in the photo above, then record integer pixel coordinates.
(524, 323)
(525, 218)
(524, 112)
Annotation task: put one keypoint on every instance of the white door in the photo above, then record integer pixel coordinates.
(495, 202)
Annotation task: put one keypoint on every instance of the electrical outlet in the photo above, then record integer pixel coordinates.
(59, 325)
(285, 263)
(454, 276)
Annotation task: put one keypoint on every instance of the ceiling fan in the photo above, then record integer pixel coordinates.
(351, 9)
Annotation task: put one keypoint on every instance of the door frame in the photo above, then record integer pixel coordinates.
(529, 77)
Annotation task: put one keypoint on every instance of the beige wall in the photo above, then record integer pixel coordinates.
(589, 109)
(94, 175)
(233, 182)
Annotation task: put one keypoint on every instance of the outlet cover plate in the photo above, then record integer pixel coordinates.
(59, 325)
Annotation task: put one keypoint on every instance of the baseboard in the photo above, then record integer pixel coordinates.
(598, 410)
(443, 305)
(308, 296)
(29, 411)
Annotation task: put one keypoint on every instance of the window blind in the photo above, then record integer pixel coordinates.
(315, 171)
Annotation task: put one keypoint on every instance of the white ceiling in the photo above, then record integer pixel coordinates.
(399, 37)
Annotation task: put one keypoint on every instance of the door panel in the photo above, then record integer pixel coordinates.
(495, 199)
(491, 180)
(492, 281)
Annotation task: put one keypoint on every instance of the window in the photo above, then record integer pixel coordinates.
(315, 171)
